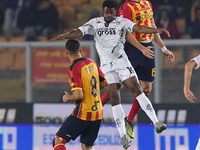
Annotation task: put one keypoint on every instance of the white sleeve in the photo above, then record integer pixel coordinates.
(88, 27)
(197, 60)
(129, 25)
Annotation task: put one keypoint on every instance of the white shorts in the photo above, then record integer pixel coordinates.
(118, 70)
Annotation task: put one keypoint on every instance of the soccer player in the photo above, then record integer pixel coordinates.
(141, 13)
(85, 79)
(109, 35)
(189, 66)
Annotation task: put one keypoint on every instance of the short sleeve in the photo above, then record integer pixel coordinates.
(88, 27)
(75, 79)
(197, 60)
(128, 24)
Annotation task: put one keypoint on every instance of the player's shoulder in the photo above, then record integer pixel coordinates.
(77, 63)
(146, 1)
(97, 19)
(90, 60)
(121, 19)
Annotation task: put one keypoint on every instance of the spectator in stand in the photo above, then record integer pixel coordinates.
(26, 21)
(47, 19)
(195, 26)
(165, 21)
(10, 19)
(169, 5)
(195, 4)
(2, 12)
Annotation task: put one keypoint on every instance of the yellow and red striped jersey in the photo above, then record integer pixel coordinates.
(140, 13)
(84, 74)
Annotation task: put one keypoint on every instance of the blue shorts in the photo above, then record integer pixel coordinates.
(73, 127)
(144, 67)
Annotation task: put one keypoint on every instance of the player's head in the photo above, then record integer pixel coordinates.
(109, 10)
(72, 46)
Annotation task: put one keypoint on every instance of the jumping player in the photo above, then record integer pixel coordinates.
(141, 13)
(109, 34)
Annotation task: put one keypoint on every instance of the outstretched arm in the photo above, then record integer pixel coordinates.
(149, 30)
(157, 39)
(69, 35)
(145, 50)
(189, 66)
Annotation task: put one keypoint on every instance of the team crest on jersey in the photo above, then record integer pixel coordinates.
(106, 31)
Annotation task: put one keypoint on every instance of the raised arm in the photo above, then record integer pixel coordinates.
(157, 39)
(189, 66)
(149, 30)
(69, 35)
(145, 50)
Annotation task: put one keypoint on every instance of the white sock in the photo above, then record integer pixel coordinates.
(118, 115)
(198, 145)
(146, 105)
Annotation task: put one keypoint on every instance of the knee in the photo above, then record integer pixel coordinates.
(146, 86)
(86, 147)
(147, 89)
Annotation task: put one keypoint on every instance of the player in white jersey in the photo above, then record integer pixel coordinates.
(109, 34)
(189, 66)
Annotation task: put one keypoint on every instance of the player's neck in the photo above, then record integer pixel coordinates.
(136, 1)
(73, 57)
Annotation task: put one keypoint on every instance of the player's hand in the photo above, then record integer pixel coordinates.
(190, 96)
(65, 97)
(169, 55)
(58, 37)
(148, 52)
(163, 31)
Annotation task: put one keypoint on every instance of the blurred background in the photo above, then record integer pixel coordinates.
(39, 20)
(33, 72)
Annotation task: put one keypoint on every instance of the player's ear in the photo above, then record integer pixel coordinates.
(80, 50)
(66, 52)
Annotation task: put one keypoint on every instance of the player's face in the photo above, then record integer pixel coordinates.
(109, 14)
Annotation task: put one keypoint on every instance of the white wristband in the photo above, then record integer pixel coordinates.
(163, 48)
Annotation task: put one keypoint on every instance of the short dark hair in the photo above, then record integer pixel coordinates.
(72, 45)
(110, 4)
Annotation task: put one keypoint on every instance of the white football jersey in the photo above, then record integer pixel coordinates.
(109, 38)
(197, 60)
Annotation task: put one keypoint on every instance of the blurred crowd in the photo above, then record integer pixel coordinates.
(33, 18)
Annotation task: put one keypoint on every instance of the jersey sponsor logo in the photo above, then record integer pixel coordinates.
(144, 16)
(106, 31)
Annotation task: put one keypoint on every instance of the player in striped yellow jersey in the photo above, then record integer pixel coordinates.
(86, 80)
